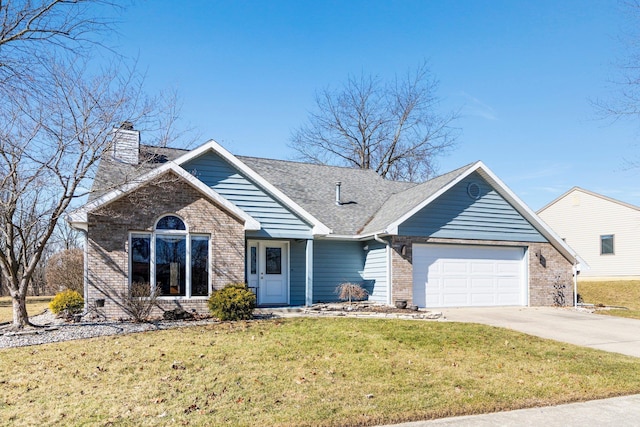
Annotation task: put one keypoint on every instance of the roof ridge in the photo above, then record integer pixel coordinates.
(591, 193)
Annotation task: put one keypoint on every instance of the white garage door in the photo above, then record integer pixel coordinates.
(468, 276)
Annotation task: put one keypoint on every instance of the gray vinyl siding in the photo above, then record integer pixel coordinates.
(335, 262)
(276, 220)
(375, 271)
(455, 215)
(297, 254)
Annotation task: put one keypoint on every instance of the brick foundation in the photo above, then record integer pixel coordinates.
(108, 240)
(557, 270)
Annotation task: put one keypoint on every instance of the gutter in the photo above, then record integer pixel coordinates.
(380, 240)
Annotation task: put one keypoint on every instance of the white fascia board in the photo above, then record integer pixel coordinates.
(77, 221)
(527, 213)
(393, 227)
(505, 192)
(318, 227)
(78, 218)
(356, 237)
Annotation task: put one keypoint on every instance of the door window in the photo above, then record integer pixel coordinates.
(274, 260)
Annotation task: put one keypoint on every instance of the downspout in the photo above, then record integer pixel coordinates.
(85, 271)
(389, 276)
(576, 271)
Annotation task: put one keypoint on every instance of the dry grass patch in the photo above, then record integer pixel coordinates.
(35, 305)
(623, 293)
(301, 372)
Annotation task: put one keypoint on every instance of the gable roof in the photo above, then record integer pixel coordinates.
(591, 193)
(404, 204)
(79, 217)
(370, 204)
(212, 146)
(313, 187)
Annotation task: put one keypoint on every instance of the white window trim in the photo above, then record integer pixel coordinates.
(152, 259)
(613, 244)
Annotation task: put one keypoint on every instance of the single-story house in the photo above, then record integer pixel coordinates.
(190, 222)
(604, 232)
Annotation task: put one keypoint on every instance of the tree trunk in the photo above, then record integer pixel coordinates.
(20, 316)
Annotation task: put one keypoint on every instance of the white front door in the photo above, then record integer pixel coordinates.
(268, 267)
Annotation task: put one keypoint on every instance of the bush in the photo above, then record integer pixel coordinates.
(351, 292)
(67, 303)
(138, 301)
(65, 270)
(233, 302)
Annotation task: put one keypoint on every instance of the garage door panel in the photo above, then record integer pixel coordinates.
(454, 275)
(507, 283)
(481, 284)
(511, 268)
(455, 284)
(482, 268)
(453, 267)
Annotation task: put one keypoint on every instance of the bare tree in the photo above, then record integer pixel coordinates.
(65, 270)
(56, 119)
(50, 143)
(623, 103)
(393, 127)
(65, 237)
(33, 30)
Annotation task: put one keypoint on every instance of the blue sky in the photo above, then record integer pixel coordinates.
(522, 73)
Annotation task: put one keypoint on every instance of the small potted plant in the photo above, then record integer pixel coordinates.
(401, 303)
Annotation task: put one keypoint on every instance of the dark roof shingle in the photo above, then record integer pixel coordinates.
(369, 202)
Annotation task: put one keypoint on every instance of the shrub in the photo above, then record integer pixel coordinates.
(233, 302)
(67, 303)
(138, 301)
(65, 270)
(351, 291)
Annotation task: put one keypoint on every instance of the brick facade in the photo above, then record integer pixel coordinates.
(108, 241)
(548, 269)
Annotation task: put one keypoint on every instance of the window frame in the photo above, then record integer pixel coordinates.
(152, 235)
(602, 240)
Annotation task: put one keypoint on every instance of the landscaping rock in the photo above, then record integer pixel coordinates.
(177, 314)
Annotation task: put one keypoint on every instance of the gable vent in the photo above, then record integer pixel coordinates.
(473, 190)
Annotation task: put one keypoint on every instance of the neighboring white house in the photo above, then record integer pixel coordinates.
(604, 232)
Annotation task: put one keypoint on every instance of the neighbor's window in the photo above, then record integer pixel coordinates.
(606, 244)
(174, 261)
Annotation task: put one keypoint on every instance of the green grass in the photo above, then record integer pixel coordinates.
(623, 293)
(35, 305)
(301, 372)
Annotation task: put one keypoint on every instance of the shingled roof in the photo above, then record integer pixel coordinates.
(112, 173)
(313, 187)
(368, 202)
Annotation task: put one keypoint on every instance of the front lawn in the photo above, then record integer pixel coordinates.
(35, 305)
(301, 372)
(621, 293)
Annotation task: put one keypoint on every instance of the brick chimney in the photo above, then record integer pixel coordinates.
(125, 145)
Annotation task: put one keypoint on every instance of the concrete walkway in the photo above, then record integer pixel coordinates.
(580, 327)
(618, 412)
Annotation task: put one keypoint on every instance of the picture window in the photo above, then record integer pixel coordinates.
(174, 261)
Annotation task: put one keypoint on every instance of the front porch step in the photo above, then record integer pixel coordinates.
(279, 311)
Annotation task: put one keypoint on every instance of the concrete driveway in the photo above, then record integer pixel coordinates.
(568, 325)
